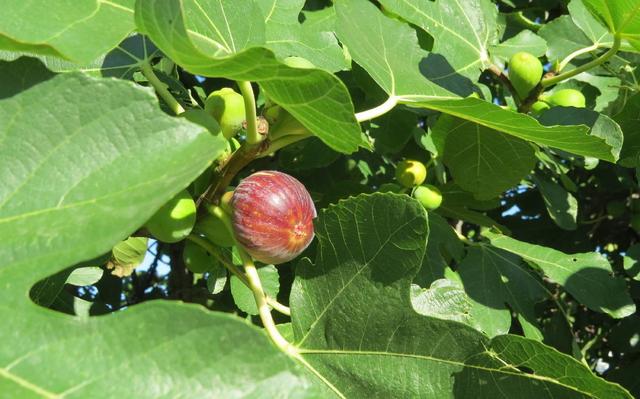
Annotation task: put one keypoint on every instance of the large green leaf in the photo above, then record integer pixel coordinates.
(462, 30)
(481, 160)
(388, 50)
(354, 323)
(586, 276)
(76, 30)
(620, 17)
(628, 120)
(561, 205)
(498, 283)
(226, 38)
(287, 37)
(115, 158)
(121, 62)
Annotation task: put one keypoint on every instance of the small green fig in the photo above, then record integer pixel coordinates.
(616, 208)
(214, 230)
(591, 163)
(568, 98)
(525, 71)
(298, 62)
(196, 259)
(429, 196)
(174, 220)
(411, 173)
(539, 107)
(227, 107)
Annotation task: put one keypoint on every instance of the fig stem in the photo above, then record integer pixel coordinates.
(161, 88)
(207, 246)
(283, 142)
(253, 136)
(380, 110)
(263, 307)
(504, 79)
(584, 67)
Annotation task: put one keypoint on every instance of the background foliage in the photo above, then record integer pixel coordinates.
(524, 283)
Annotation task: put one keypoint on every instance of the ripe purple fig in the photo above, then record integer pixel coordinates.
(272, 216)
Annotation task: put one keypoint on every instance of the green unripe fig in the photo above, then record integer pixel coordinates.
(616, 208)
(635, 222)
(525, 71)
(591, 163)
(411, 173)
(429, 196)
(539, 107)
(196, 259)
(227, 107)
(298, 62)
(214, 229)
(568, 98)
(174, 220)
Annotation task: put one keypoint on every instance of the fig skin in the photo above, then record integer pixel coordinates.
(411, 173)
(429, 196)
(272, 216)
(525, 71)
(568, 98)
(227, 107)
(174, 220)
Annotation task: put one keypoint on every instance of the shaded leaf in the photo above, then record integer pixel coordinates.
(586, 276)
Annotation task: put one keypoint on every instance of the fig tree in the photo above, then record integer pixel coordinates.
(227, 107)
(525, 71)
(429, 196)
(174, 220)
(272, 216)
(411, 173)
(568, 98)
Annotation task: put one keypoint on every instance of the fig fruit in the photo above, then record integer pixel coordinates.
(539, 107)
(214, 230)
(272, 216)
(429, 196)
(525, 71)
(298, 62)
(411, 173)
(196, 258)
(591, 163)
(568, 98)
(174, 220)
(227, 107)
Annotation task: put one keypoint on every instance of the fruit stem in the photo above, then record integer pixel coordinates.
(161, 88)
(253, 137)
(584, 67)
(263, 307)
(207, 246)
(524, 21)
(575, 54)
(241, 158)
(282, 142)
(380, 110)
(504, 79)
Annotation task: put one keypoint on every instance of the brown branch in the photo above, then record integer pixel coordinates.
(504, 79)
